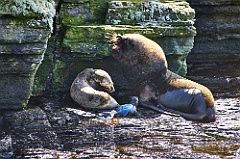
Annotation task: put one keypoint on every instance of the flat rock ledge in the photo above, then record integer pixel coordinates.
(51, 131)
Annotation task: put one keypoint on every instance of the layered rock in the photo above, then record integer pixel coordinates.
(150, 13)
(32, 128)
(25, 27)
(56, 130)
(215, 54)
(82, 39)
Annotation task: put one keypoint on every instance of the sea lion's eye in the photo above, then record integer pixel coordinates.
(119, 37)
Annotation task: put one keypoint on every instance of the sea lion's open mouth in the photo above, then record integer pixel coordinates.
(117, 51)
(116, 47)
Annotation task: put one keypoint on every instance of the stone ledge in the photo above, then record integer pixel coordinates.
(213, 2)
(150, 13)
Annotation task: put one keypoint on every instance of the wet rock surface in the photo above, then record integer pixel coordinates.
(60, 130)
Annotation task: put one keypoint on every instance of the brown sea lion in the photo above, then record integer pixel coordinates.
(145, 65)
(140, 58)
(87, 86)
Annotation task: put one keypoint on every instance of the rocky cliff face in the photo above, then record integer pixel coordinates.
(25, 27)
(81, 40)
(214, 59)
(52, 129)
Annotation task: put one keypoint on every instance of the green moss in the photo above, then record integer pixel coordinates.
(42, 76)
(44, 9)
(91, 34)
(59, 75)
(154, 31)
(86, 42)
(150, 13)
(83, 12)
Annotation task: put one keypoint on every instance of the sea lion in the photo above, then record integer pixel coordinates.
(87, 87)
(140, 57)
(145, 65)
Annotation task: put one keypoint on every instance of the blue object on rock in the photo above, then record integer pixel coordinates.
(123, 110)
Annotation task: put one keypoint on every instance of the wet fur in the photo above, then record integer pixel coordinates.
(145, 67)
(138, 64)
(85, 89)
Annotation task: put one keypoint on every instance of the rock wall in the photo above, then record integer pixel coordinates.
(82, 31)
(214, 59)
(79, 41)
(25, 27)
(53, 129)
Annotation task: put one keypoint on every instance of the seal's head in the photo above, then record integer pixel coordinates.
(121, 46)
(103, 79)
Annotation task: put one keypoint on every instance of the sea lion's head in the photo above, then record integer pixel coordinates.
(121, 46)
(103, 79)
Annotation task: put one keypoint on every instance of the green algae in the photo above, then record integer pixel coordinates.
(149, 13)
(42, 9)
(83, 12)
(90, 42)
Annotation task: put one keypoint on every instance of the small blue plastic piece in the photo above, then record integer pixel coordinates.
(123, 110)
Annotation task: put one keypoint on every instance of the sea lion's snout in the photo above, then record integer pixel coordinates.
(110, 89)
(115, 47)
(116, 51)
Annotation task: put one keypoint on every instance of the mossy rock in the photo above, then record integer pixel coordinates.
(25, 28)
(150, 13)
(83, 12)
(24, 32)
(90, 42)
(22, 9)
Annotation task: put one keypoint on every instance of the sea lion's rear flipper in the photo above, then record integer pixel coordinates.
(158, 109)
(203, 117)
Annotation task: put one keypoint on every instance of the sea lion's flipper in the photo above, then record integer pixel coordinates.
(158, 109)
(204, 117)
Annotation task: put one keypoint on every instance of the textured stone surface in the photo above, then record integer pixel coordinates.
(82, 41)
(215, 56)
(150, 13)
(216, 50)
(74, 12)
(44, 10)
(214, 2)
(34, 129)
(25, 27)
(58, 130)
